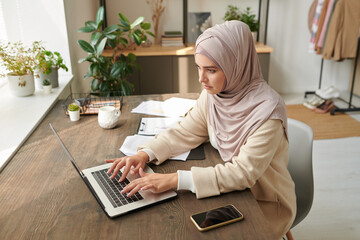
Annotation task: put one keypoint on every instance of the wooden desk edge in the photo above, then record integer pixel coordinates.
(158, 50)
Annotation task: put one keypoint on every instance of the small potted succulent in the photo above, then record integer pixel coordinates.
(19, 63)
(48, 64)
(46, 84)
(74, 112)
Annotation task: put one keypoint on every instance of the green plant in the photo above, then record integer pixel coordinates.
(73, 107)
(110, 73)
(46, 82)
(18, 59)
(249, 18)
(48, 60)
(232, 13)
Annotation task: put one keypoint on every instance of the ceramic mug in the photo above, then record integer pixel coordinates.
(108, 117)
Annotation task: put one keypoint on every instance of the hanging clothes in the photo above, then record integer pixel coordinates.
(325, 27)
(311, 14)
(315, 25)
(341, 38)
(321, 21)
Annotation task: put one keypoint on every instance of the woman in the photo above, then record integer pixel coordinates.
(241, 116)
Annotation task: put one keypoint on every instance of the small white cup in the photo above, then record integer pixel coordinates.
(108, 117)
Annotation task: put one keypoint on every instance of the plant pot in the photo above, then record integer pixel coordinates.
(47, 89)
(74, 115)
(53, 77)
(21, 85)
(254, 35)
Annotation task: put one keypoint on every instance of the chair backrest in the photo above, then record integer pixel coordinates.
(300, 166)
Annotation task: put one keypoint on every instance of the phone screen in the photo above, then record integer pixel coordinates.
(216, 217)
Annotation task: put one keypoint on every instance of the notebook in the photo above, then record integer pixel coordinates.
(107, 191)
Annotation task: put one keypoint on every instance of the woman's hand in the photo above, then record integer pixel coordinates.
(136, 161)
(154, 182)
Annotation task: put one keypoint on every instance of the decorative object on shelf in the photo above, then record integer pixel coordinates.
(233, 13)
(48, 64)
(46, 84)
(172, 38)
(110, 74)
(74, 112)
(198, 23)
(157, 10)
(19, 62)
(108, 117)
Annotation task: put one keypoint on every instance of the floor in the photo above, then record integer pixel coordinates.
(335, 213)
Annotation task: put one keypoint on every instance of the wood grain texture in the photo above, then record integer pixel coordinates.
(325, 126)
(42, 196)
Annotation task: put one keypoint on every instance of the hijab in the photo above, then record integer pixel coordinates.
(246, 100)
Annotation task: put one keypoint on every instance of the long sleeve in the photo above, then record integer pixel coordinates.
(246, 168)
(186, 135)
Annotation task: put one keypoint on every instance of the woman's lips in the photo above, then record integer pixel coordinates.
(206, 87)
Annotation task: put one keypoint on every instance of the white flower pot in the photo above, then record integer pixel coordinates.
(254, 35)
(74, 115)
(21, 85)
(47, 89)
(53, 77)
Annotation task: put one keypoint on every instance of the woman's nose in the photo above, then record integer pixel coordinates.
(202, 77)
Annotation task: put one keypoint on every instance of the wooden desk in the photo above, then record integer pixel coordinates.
(42, 196)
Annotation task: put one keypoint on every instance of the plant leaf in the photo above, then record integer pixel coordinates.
(94, 84)
(111, 29)
(145, 25)
(95, 38)
(86, 46)
(151, 34)
(100, 15)
(131, 57)
(122, 16)
(90, 24)
(136, 38)
(125, 24)
(137, 22)
(87, 29)
(116, 70)
(100, 47)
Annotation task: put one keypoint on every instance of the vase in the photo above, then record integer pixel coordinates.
(254, 35)
(21, 85)
(53, 77)
(47, 89)
(74, 115)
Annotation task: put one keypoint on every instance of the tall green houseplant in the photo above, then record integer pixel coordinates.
(109, 74)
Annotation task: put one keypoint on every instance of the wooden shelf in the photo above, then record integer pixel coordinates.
(158, 50)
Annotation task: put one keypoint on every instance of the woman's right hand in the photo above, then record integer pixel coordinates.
(136, 161)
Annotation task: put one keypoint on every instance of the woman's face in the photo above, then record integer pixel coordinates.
(211, 77)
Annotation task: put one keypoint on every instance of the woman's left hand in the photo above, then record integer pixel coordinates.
(154, 182)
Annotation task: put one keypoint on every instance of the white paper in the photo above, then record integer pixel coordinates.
(131, 144)
(173, 107)
(153, 126)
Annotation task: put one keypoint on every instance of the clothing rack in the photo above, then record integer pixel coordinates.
(351, 107)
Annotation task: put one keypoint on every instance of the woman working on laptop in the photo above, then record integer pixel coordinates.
(241, 116)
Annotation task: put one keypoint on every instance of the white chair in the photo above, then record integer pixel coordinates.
(300, 167)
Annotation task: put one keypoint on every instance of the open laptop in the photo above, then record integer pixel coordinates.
(107, 191)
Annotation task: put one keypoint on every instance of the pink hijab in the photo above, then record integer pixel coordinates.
(246, 100)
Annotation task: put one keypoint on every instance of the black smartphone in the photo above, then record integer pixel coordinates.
(216, 217)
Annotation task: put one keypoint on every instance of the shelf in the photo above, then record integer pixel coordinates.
(158, 50)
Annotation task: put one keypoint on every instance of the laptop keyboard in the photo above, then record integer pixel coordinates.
(112, 188)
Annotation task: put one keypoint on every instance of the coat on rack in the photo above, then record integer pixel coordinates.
(343, 32)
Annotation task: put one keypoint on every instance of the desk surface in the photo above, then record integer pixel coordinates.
(158, 50)
(42, 196)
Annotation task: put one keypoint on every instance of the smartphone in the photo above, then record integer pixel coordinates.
(216, 217)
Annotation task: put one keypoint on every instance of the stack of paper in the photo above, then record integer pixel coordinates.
(173, 107)
(153, 126)
(131, 144)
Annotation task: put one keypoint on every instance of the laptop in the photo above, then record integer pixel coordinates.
(107, 191)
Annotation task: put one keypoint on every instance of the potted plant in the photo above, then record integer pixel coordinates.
(249, 18)
(46, 84)
(109, 73)
(19, 62)
(232, 13)
(48, 64)
(74, 112)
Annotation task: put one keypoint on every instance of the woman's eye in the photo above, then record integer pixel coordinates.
(211, 71)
